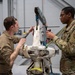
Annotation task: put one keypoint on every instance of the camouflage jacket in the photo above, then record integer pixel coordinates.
(6, 49)
(67, 44)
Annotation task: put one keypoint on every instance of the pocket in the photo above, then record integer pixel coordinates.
(65, 65)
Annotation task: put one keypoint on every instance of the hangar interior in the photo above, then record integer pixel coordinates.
(23, 10)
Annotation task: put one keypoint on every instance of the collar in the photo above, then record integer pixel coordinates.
(70, 26)
(6, 33)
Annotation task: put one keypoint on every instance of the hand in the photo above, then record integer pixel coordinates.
(21, 43)
(31, 29)
(50, 35)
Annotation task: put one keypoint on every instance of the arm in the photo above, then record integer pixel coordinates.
(16, 51)
(27, 33)
(67, 47)
(30, 30)
(7, 53)
(17, 39)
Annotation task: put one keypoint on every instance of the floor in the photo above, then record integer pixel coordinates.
(21, 70)
(20, 66)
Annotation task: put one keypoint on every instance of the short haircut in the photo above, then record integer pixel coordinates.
(69, 9)
(9, 21)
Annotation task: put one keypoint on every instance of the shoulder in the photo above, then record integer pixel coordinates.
(72, 34)
(3, 40)
(3, 37)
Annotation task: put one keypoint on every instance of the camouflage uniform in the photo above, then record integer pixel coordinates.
(6, 49)
(67, 44)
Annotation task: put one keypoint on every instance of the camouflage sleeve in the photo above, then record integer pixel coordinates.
(6, 52)
(16, 39)
(68, 47)
(60, 43)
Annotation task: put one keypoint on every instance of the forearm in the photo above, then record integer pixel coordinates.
(60, 43)
(13, 56)
(67, 47)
